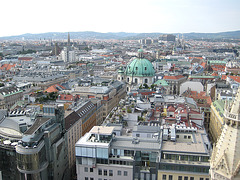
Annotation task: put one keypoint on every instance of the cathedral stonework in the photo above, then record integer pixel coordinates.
(225, 160)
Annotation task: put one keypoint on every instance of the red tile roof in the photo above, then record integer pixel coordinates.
(214, 74)
(173, 77)
(224, 77)
(25, 58)
(198, 97)
(171, 109)
(147, 93)
(7, 67)
(55, 88)
(66, 97)
(219, 68)
(235, 78)
(203, 64)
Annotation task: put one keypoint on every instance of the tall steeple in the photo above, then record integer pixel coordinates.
(68, 42)
(225, 160)
(68, 47)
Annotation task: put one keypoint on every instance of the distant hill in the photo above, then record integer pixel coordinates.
(119, 35)
(221, 35)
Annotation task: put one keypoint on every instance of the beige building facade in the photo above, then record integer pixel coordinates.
(10, 95)
(216, 120)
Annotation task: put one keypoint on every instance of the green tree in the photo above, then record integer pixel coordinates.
(87, 49)
(129, 110)
(140, 118)
(29, 51)
(153, 87)
(145, 86)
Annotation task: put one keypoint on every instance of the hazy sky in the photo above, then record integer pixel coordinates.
(166, 16)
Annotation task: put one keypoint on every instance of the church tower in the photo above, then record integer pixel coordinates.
(68, 47)
(225, 160)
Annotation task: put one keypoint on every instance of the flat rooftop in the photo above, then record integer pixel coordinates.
(86, 142)
(135, 144)
(102, 130)
(197, 146)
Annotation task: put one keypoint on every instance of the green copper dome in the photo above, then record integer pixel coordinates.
(140, 67)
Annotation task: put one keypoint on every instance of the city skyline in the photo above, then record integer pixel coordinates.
(124, 16)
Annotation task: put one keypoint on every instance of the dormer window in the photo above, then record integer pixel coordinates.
(145, 68)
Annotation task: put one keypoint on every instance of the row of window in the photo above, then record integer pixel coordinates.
(127, 163)
(175, 167)
(185, 157)
(136, 80)
(170, 177)
(106, 172)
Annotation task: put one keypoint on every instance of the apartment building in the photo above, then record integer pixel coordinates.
(109, 95)
(35, 143)
(185, 154)
(107, 156)
(151, 152)
(174, 82)
(10, 95)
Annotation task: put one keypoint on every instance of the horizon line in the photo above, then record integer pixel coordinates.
(120, 32)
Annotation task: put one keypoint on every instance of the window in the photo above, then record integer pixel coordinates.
(146, 80)
(99, 171)
(207, 178)
(110, 172)
(185, 178)
(91, 169)
(179, 177)
(85, 169)
(201, 178)
(177, 136)
(145, 68)
(137, 135)
(119, 173)
(164, 177)
(86, 178)
(136, 68)
(189, 137)
(105, 172)
(136, 80)
(170, 177)
(91, 178)
(185, 137)
(125, 173)
(191, 178)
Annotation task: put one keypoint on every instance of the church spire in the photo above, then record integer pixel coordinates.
(232, 113)
(68, 42)
(225, 160)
